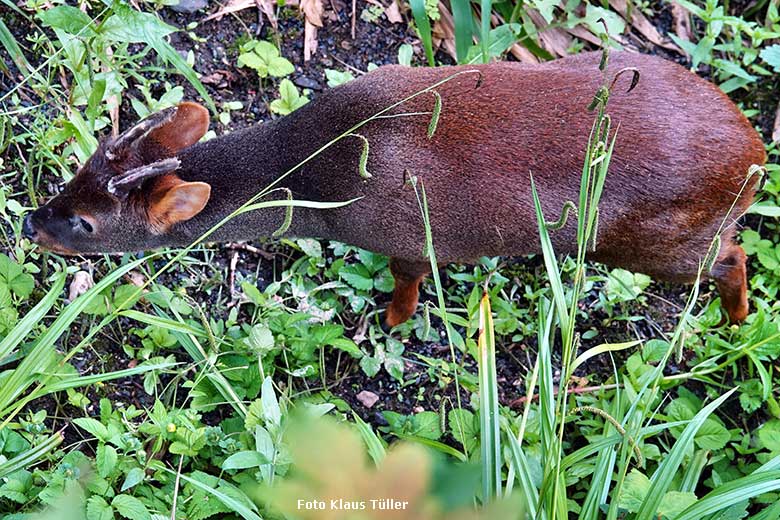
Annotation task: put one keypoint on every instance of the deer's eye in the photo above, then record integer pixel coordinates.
(86, 226)
(77, 222)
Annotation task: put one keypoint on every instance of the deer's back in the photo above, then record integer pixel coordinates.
(682, 154)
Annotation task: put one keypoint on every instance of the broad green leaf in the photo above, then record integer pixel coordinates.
(99, 509)
(93, 426)
(633, 491)
(69, 19)
(134, 476)
(105, 460)
(244, 459)
(130, 507)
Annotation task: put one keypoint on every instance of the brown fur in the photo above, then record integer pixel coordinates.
(682, 155)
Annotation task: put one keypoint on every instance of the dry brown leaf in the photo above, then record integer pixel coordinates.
(312, 10)
(81, 283)
(583, 34)
(443, 32)
(267, 8)
(393, 13)
(231, 7)
(776, 128)
(522, 54)
(682, 21)
(641, 24)
(554, 40)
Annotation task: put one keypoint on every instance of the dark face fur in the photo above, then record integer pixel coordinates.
(127, 195)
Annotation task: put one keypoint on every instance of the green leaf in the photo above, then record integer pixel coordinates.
(69, 19)
(260, 339)
(464, 428)
(771, 55)
(358, 276)
(348, 346)
(13, 276)
(370, 365)
(426, 425)
(94, 427)
(271, 411)
(134, 476)
(337, 77)
(244, 460)
(99, 509)
(712, 436)
(634, 490)
(280, 67)
(130, 507)
(105, 460)
(769, 435)
(674, 502)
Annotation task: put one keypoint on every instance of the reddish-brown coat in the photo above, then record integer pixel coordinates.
(681, 159)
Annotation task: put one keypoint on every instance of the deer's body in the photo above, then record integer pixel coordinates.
(681, 159)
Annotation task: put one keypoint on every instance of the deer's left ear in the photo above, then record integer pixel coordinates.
(174, 200)
(187, 126)
(162, 135)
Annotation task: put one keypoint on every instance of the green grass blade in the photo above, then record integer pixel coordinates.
(463, 20)
(663, 477)
(39, 359)
(490, 429)
(28, 458)
(75, 382)
(164, 323)
(600, 349)
(523, 471)
(423, 28)
(8, 41)
(32, 318)
(550, 263)
(730, 493)
(237, 507)
(486, 8)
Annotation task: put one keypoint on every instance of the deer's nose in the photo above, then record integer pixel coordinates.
(28, 230)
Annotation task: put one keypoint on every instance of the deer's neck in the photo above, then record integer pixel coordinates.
(242, 164)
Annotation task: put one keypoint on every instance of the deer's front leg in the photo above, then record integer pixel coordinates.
(407, 276)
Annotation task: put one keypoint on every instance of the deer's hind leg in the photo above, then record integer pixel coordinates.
(407, 275)
(730, 275)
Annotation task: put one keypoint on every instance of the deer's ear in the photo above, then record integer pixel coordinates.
(174, 200)
(160, 136)
(187, 126)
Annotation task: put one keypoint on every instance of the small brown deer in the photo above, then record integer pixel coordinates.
(681, 161)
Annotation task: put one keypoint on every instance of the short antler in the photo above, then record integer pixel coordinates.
(113, 151)
(121, 185)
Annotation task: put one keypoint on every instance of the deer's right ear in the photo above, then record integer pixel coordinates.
(161, 135)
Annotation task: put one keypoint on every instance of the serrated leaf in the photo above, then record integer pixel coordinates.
(370, 365)
(99, 509)
(130, 507)
(357, 276)
(105, 460)
(93, 426)
(634, 491)
(771, 55)
(712, 436)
